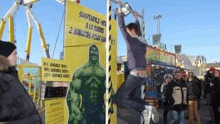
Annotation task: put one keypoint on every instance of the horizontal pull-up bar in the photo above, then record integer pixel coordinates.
(116, 1)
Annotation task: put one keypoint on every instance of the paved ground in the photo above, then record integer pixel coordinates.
(127, 116)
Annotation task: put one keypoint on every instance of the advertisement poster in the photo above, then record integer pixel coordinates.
(85, 25)
(54, 70)
(54, 111)
(157, 54)
(85, 54)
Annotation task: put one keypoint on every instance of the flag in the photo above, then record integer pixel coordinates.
(177, 49)
(156, 39)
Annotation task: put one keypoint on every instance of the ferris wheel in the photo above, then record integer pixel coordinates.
(9, 16)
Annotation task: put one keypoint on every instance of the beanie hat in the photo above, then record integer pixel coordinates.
(6, 48)
(168, 76)
(212, 69)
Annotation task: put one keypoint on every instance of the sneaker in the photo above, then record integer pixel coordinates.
(147, 116)
(149, 113)
(155, 115)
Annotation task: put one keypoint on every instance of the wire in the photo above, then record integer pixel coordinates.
(58, 34)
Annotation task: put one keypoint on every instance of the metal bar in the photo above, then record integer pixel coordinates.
(32, 16)
(116, 1)
(29, 37)
(11, 29)
(12, 13)
(41, 34)
(2, 27)
(143, 24)
(9, 12)
(107, 58)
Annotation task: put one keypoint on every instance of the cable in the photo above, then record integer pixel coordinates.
(58, 32)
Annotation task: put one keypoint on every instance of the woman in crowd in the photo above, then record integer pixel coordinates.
(193, 92)
(168, 78)
(215, 89)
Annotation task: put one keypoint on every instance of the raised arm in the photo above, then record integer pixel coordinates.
(137, 23)
(121, 24)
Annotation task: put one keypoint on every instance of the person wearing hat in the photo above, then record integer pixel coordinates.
(16, 106)
(207, 91)
(168, 79)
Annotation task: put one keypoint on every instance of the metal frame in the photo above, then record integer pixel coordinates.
(10, 17)
(116, 1)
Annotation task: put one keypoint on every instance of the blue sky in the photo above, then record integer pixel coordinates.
(192, 23)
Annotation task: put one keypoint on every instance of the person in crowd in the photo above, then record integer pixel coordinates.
(176, 95)
(136, 51)
(16, 106)
(168, 79)
(208, 94)
(193, 97)
(184, 76)
(215, 89)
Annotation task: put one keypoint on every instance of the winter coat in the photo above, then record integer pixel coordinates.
(193, 90)
(216, 91)
(176, 95)
(208, 80)
(16, 106)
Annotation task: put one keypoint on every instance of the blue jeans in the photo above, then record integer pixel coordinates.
(126, 94)
(175, 117)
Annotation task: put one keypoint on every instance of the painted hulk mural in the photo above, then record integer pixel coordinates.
(85, 98)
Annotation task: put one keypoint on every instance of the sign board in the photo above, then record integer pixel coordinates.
(54, 111)
(157, 54)
(156, 39)
(85, 54)
(177, 49)
(55, 70)
(83, 25)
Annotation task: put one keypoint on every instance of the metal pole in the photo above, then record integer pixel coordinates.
(64, 32)
(143, 24)
(108, 18)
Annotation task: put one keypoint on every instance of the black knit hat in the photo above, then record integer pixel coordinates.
(6, 48)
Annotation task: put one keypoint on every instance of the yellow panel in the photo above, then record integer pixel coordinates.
(88, 82)
(55, 70)
(83, 25)
(54, 111)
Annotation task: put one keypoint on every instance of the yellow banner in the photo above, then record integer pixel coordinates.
(85, 54)
(55, 70)
(54, 111)
(83, 25)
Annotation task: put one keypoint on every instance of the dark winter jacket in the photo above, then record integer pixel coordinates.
(208, 80)
(16, 106)
(216, 91)
(193, 90)
(176, 95)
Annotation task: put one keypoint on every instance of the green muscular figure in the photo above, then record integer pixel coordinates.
(86, 94)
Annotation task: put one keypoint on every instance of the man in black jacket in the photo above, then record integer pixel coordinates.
(176, 95)
(16, 106)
